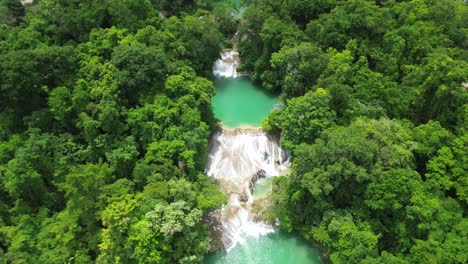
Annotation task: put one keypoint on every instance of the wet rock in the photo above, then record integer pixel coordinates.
(284, 156)
(244, 197)
(257, 176)
(215, 231)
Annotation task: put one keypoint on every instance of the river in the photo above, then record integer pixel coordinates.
(243, 159)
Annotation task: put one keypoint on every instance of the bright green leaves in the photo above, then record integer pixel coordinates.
(346, 157)
(59, 239)
(39, 162)
(174, 128)
(374, 189)
(123, 157)
(440, 92)
(449, 168)
(60, 102)
(116, 219)
(11, 12)
(140, 70)
(353, 240)
(365, 168)
(359, 91)
(305, 117)
(210, 195)
(173, 228)
(184, 137)
(297, 69)
(165, 233)
(430, 137)
(24, 182)
(172, 219)
(392, 190)
(21, 240)
(83, 185)
(97, 95)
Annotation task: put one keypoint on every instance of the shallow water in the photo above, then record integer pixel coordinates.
(238, 102)
(274, 248)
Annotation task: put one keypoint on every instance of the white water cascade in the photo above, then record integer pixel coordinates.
(237, 159)
(226, 66)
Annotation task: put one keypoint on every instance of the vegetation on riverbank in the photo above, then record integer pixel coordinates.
(376, 119)
(105, 113)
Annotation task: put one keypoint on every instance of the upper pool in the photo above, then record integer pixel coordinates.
(238, 103)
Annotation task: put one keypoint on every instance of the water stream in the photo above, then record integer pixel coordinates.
(240, 156)
(237, 159)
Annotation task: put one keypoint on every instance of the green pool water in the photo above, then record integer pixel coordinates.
(262, 187)
(238, 102)
(275, 248)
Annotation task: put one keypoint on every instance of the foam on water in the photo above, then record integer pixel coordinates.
(235, 158)
(226, 66)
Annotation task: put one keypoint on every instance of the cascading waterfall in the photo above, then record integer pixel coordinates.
(239, 161)
(227, 65)
(237, 158)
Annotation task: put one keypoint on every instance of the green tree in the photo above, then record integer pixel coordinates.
(429, 139)
(448, 169)
(354, 19)
(353, 240)
(33, 72)
(305, 118)
(140, 71)
(296, 69)
(440, 92)
(82, 188)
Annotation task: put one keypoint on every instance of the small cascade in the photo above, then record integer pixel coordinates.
(226, 66)
(237, 160)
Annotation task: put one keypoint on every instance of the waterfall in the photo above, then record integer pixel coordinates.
(237, 159)
(226, 66)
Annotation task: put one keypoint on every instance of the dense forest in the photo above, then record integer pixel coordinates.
(376, 117)
(105, 115)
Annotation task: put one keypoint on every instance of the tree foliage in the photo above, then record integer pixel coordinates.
(379, 172)
(104, 127)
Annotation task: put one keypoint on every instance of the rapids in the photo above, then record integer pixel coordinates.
(226, 66)
(237, 159)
